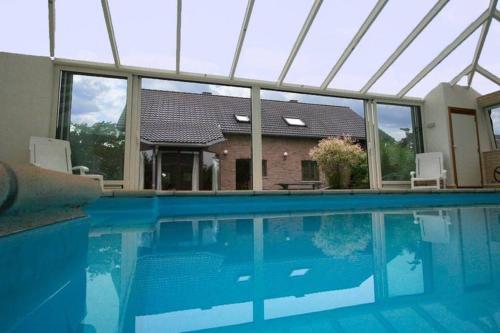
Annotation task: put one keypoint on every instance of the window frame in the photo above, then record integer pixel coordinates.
(416, 122)
(132, 119)
(487, 111)
(312, 167)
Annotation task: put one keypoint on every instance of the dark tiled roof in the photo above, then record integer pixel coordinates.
(201, 119)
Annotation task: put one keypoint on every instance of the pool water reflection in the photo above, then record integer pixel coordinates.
(428, 269)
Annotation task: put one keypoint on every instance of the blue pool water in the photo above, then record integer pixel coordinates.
(352, 263)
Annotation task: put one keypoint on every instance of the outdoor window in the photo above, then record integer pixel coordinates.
(92, 114)
(494, 114)
(400, 139)
(242, 118)
(299, 130)
(310, 171)
(196, 140)
(264, 168)
(294, 121)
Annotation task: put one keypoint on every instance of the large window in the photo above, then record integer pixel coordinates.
(295, 125)
(92, 114)
(195, 136)
(400, 139)
(494, 114)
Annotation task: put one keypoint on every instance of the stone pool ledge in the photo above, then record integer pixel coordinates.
(31, 197)
(153, 193)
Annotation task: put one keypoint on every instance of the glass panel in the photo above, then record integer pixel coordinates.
(196, 141)
(19, 37)
(289, 149)
(401, 14)
(210, 31)
(336, 21)
(92, 114)
(495, 124)
(490, 56)
(81, 31)
(445, 27)
(145, 32)
(397, 125)
(449, 68)
(483, 85)
(405, 255)
(274, 27)
(463, 81)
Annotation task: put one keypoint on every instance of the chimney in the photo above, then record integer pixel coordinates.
(206, 93)
(294, 101)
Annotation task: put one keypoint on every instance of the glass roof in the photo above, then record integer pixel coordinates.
(449, 68)
(81, 31)
(337, 22)
(490, 57)
(210, 31)
(18, 37)
(404, 15)
(151, 41)
(445, 27)
(483, 85)
(145, 34)
(270, 36)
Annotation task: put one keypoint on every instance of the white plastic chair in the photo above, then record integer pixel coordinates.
(55, 155)
(429, 168)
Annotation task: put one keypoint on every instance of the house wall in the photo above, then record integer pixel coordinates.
(436, 123)
(279, 170)
(25, 103)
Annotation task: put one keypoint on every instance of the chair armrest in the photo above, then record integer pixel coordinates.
(443, 174)
(82, 169)
(412, 174)
(35, 164)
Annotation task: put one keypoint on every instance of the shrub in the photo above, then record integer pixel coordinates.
(338, 158)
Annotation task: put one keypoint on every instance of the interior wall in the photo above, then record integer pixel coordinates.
(25, 103)
(436, 124)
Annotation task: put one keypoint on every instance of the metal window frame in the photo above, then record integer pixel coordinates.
(131, 114)
(485, 20)
(377, 9)
(482, 39)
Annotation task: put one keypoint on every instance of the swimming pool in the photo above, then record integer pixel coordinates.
(304, 263)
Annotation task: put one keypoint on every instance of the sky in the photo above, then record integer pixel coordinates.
(146, 36)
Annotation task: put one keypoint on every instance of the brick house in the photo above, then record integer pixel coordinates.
(202, 141)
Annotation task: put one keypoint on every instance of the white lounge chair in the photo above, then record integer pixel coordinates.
(55, 155)
(434, 226)
(430, 169)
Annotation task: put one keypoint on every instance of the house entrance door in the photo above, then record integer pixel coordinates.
(176, 171)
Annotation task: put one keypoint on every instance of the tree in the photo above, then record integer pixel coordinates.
(100, 147)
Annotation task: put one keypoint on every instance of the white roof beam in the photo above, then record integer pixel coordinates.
(482, 38)
(404, 45)
(300, 39)
(354, 42)
(460, 75)
(111, 32)
(447, 50)
(241, 39)
(52, 27)
(497, 14)
(487, 74)
(178, 38)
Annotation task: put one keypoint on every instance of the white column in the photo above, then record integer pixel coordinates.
(256, 140)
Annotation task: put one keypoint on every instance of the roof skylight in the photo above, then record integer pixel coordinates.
(294, 121)
(242, 118)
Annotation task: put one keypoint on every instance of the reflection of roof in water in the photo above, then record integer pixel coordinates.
(166, 282)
